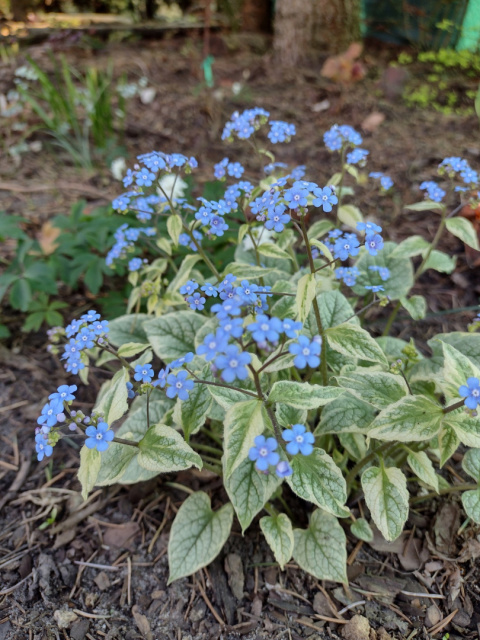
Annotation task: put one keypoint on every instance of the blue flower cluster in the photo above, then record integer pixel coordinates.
(453, 165)
(357, 156)
(280, 131)
(225, 167)
(348, 275)
(433, 191)
(83, 333)
(125, 238)
(341, 136)
(243, 125)
(385, 181)
(264, 453)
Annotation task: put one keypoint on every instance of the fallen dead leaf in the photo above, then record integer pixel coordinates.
(446, 526)
(373, 121)
(47, 237)
(121, 536)
(142, 623)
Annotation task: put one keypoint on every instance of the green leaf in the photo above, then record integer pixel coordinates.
(471, 463)
(302, 395)
(321, 550)
(353, 341)
(305, 295)
(422, 467)
(226, 398)
(456, 369)
(448, 443)
(401, 272)
(362, 530)
(467, 429)
(320, 228)
(391, 347)
(426, 205)
(174, 227)
(127, 329)
(387, 498)
(463, 229)
(90, 462)
(243, 422)
(197, 535)
(173, 335)
(440, 261)
(190, 414)
(346, 414)
(334, 309)
(355, 444)
(471, 504)
(376, 387)
(113, 403)
(278, 532)
(273, 251)
(416, 306)
(183, 273)
(316, 478)
(20, 294)
(287, 415)
(249, 490)
(410, 247)
(242, 232)
(162, 449)
(130, 349)
(350, 215)
(411, 419)
(242, 270)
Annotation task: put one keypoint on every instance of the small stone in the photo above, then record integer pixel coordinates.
(64, 618)
(358, 628)
(102, 581)
(79, 629)
(432, 616)
(90, 600)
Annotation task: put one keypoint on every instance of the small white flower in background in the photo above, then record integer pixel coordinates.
(259, 233)
(118, 168)
(173, 186)
(147, 95)
(236, 88)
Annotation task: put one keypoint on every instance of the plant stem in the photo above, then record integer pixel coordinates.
(316, 310)
(207, 448)
(211, 435)
(131, 443)
(225, 386)
(434, 494)
(113, 352)
(452, 407)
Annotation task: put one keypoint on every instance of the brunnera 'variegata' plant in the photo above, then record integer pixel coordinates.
(264, 372)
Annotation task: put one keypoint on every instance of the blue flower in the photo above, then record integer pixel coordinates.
(346, 246)
(86, 338)
(98, 437)
(213, 344)
(143, 373)
(99, 327)
(245, 124)
(144, 178)
(357, 156)
(277, 218)
(247, 291)
(283, 469)
(162, 377)
(369, 227)
(471, 393)
(235, 170)
(179, 385)
(218, 226)
(73, 328)
(453, 165)
(64, 393)
(226, 282)
(196, 302)
(349, 275)
(265, 329)
(130, 392)
(299, 440)
(374, 288)
(306, 352)
(385, 181)
(135, 264)
(219, 170)
(179, 362)
(90, 316)
(338, 136)
(263, 453)
(373, 243)
(42, 447)
(50, 412)
(469, 176)
(290, 327)
(325, 198)
(209, 290)
(188, 288)
(434, 192)
(383, 272)
(233, 327)
(296, 197)
(226, 309)
(233, 363)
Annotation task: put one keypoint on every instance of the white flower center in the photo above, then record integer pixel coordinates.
(99, 436)
(299, 439)
(233, 364)
(263, 452)
(264, 327)
(306, 352)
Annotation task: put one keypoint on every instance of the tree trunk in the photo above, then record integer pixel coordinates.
(20, 9)
(292, 31)
(300, 25)
(336, 24)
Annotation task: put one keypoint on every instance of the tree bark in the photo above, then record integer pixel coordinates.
(336, 24)
(292, 31)
(20, 9)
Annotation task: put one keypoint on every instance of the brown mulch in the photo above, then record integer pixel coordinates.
(98, 569)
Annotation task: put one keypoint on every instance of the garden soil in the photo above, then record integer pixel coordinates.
(98, 569)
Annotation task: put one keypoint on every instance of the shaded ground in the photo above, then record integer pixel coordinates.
(103, 564)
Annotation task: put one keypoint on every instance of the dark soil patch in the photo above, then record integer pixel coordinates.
(122, 533)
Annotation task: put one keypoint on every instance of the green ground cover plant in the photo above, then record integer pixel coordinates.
(263, 369)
